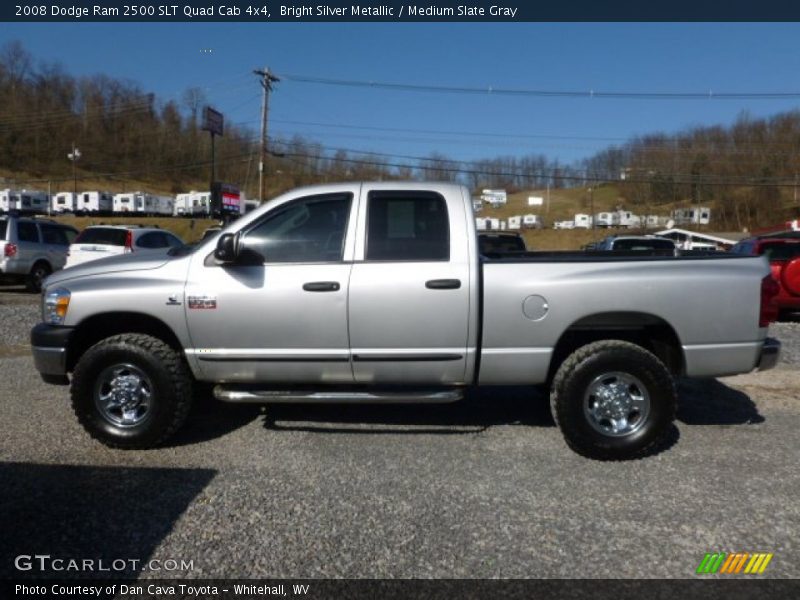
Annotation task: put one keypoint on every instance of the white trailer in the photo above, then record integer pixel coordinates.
(503, 225)
(627, 219)
(477, 204)
(134, 202)
(95, 202)
(34, 201)
(531, 221)
(192, 204)
(700, 215)
(564, 225)
(493, 224)
(496, 198)
(583, 221)
(481, 224)
(515, 222)
(9, 198)
(164, 205)
(64, 202)
(607, 219)
(535, 201)
(651, 221)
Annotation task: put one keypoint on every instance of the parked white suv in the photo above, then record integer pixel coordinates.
(101, 241)
(31, 249)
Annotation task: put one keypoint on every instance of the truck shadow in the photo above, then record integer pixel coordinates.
(479, 410)
(76, 512)
(210, 419)
(711, 402)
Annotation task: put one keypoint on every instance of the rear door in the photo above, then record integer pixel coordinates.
(55, 240)
(410, 288)
(28, 245)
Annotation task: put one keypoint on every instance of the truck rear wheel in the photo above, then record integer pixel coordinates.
(131, 391)
(613, 400)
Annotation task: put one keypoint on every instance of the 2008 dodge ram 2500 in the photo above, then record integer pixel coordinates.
(375, 292)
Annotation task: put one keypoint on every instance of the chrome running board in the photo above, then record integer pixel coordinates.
(240, 395)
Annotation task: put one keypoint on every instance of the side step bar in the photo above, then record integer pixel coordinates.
(241, 395)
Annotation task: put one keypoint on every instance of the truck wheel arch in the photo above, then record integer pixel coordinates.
(101, 326)
(643, 329)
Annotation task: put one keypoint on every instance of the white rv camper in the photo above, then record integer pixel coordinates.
(134, 202)
(480, 224)
(627, 219)
(33, 201)
(583, 221)
(531, 221)
(515, 222)
(95, 202)
(700, 215)
(607, 219)
(193, 204)
(164, 205)
(63, 202)
(496, 198)
(8, 199)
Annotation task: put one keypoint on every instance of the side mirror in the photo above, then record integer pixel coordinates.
(227, 250)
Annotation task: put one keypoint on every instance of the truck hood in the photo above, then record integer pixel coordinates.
(138, 261)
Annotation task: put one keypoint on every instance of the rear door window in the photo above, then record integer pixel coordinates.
(407, 226)
(27, 232)
(3, 228)
(153, 239)
(52, 234)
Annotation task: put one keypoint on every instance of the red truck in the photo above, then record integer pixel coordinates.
(783, 252)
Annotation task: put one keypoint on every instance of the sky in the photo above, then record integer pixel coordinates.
(167, 58)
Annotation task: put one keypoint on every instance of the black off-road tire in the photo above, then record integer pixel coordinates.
(171, 394)
(573, 379)
(33, 282)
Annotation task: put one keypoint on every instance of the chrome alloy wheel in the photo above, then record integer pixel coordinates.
(123, 395)
(616, 404)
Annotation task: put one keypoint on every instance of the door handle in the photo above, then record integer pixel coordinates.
(443, 284)
(321, 286)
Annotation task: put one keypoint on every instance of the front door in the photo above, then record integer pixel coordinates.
(283, 321)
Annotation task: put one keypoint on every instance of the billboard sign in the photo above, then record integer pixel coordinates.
(213, 121)
(226, 200)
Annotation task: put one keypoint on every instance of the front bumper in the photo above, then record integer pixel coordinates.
(49, 345)
(770, 354)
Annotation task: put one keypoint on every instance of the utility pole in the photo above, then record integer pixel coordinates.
(74, 156)
(267, 79)
(591, 204)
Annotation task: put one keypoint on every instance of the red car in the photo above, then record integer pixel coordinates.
(783, 252)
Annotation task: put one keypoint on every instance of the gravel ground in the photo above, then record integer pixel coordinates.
(16, 321)
(482, 488)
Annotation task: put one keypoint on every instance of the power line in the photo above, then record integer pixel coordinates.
(540, 93)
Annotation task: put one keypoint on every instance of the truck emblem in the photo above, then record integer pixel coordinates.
(202, 301)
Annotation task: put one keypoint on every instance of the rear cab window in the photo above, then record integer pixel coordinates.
(3, 229)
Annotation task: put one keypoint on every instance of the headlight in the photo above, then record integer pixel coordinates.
(55, 305)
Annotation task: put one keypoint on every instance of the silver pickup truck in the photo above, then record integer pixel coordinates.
(376, 292)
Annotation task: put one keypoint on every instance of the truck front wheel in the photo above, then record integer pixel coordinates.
(131, 391)
(613, 400)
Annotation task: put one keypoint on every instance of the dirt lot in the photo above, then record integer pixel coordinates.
(482, 488)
